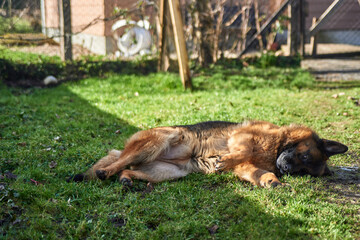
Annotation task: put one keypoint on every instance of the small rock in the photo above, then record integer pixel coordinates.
(49, 80)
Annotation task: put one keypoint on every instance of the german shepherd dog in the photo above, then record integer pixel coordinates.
(256, 151)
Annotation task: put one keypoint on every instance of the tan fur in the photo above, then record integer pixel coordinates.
(112, 157)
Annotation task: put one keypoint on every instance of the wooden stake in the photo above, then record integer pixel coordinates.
(180, 43)
(313, 40)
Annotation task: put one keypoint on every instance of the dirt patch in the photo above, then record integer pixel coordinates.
(52, 50)
(333, 69)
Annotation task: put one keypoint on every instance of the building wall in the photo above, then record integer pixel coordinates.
(85, 11)
(51, 14)
(82, 13)
(98, 37)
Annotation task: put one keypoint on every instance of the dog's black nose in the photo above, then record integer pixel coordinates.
(287, 168)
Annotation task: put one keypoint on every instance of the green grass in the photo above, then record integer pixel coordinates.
(49, 134)
(15, 25)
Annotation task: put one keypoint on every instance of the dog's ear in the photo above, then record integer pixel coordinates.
(331, 147)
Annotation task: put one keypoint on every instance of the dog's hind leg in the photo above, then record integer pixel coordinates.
(112, 157)
(156, 171)
(143, 147)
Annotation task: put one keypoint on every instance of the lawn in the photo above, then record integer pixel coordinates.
(47, 135)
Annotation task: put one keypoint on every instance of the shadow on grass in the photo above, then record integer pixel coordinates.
(323, 84)
(200, 207)
(47, 135)
(50, 122)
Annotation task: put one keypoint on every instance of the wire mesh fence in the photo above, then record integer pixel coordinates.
(118, 28)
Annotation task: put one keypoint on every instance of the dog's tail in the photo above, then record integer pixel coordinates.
(112, 157)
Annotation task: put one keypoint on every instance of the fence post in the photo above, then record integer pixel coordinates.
(180, 43)
(65, 30)
(163, 62)
(294, 28)
(303, 14)
(9, 9)
(43, 21)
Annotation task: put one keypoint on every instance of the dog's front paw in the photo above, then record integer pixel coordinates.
(269, 180)
(101, 174)
(273, 184)
(126, 182)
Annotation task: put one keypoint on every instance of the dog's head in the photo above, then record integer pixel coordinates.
(308, 156)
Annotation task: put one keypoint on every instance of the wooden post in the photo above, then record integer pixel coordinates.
(244, 26)
(257, 23)
(302, 27)
(180, 43)
(293, 41)
(218, 30)
(163, 62)
(313, 40)
(65, 30)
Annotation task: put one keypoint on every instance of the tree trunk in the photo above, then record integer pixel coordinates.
(203, 23)
(218, 30)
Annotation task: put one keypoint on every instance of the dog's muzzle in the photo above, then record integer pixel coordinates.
(284, 162)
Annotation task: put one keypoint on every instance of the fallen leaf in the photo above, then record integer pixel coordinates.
(35, 182)
(52, 164)
(117, 221)
(17, 221)
(213, 229)
(10, 175)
